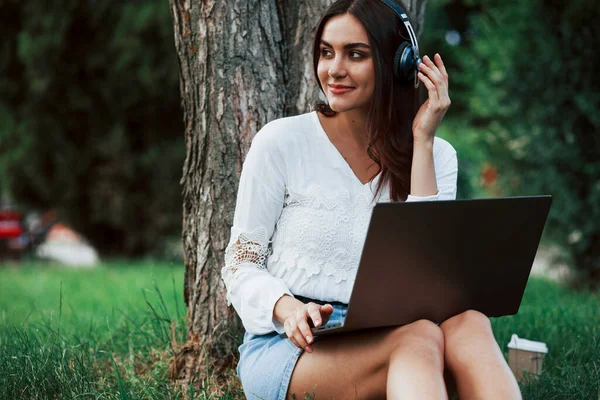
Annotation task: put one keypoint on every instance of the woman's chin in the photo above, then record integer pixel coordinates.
(340, 106)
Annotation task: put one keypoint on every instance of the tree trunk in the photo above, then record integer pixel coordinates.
(243, 63)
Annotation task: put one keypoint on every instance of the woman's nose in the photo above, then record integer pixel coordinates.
(337, 68)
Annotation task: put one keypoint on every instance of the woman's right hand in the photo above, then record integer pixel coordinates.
(296, 323)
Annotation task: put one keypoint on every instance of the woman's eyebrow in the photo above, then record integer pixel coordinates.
(349, 45)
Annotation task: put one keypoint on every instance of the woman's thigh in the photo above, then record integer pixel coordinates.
(354, 365)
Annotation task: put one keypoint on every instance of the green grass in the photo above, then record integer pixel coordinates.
(106, 333)
(92, 333)
(569, 323)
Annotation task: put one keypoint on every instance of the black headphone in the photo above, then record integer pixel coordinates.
(406, 59)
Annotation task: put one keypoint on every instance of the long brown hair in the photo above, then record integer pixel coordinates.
(391, 112)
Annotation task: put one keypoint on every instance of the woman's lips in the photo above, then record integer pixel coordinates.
(340, 90)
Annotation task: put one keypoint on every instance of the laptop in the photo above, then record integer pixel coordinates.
(433, 260)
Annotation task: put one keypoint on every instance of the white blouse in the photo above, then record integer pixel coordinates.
(301, 218)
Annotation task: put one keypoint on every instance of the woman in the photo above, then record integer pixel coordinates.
(306, 192)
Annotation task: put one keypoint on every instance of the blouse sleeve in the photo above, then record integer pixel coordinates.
(251, 289)
(446, 172)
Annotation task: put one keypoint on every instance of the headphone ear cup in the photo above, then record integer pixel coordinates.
(404, 62)
(397, 61)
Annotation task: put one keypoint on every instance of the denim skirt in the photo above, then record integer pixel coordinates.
(267, 361)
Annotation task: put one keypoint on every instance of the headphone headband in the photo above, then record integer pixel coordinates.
(404, 18)
(411, 33)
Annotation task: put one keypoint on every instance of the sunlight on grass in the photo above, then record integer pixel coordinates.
(31, 294)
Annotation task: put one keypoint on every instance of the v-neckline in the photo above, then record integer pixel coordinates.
(339, 155)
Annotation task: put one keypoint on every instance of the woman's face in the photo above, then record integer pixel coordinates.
(345, 68)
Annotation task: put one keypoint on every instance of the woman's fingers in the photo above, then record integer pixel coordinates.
(290, 327)
(435, 78)
(442, 85)
(433, 94)
(435, 75)
(301, 341)
(315, 316)
(326, 311)
(441, 66)
(297, 327)
(305, 331)
(436, 72)
(296, 335)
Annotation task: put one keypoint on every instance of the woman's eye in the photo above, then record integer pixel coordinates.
(352, 54)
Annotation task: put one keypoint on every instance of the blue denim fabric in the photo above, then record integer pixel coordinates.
(267, 362)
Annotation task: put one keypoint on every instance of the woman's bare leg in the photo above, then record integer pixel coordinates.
(416, 366)
(474, 359)
(404, 362)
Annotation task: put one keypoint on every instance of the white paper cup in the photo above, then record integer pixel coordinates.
(525, 357)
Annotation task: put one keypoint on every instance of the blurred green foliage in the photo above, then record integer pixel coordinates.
(90, 118)
(441, 17)
(525, 85)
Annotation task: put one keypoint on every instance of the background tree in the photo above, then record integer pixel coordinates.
(90, 119)
(243, 63)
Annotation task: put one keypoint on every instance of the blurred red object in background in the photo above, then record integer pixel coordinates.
(11, 224)
(12, 234)
(489, 175)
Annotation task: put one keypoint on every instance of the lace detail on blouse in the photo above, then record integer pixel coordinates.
(322, 233)
(246, 248)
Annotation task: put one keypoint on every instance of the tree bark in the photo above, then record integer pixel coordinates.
(243, 63)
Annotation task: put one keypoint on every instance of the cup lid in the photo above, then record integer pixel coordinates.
(527, 345)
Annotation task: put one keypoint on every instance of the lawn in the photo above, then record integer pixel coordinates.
(63, 331)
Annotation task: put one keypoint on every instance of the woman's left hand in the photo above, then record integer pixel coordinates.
(430, 115)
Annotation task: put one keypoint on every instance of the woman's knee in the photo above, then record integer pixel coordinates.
(466, 335)
(420, 335)
(470, 322)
